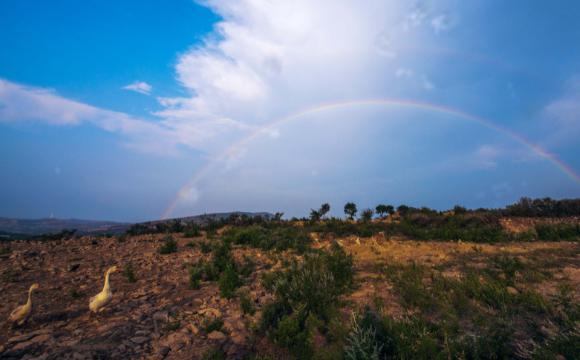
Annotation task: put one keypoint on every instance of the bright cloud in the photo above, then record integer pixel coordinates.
(562, 116)
(19, 103)
(268, 59)
(140, 87)
(264, 60)
(442, 23)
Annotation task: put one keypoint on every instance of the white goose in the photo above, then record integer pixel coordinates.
(104, 297)
(22, 312)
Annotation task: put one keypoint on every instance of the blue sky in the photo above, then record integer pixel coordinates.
(137, 109)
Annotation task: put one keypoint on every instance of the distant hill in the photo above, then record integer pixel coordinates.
(27, 228)
(51, 226)
(205, 218)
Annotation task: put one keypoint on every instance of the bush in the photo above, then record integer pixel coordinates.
(129, 273)
(278, 238)
(205, 247)
(192, 231)
(214, 353)
(246, 303)
(169, 246)
(195, 275)
(366, 215)
(292, 335)
(5, 250)
(305, 297)
(362, 343)
(558, 232)
(229, 282)
(248, 267)
(215, 324)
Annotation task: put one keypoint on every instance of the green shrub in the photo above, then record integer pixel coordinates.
(172, 326)
(558, 232)
(169, 246)
(229, 282)
(292, 335)
(205, 247)
(362, 343)
(195, 275)
(214, 353)
(277, 238)
(214, 324)
(192, 231)
(248, 266)
(75, 294)
(5, 250)
(246, 303)
(129, 273)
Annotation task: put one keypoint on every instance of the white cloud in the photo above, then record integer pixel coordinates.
(140, 87)
(404, 73)
(561, 117)
(415, 17)
(19, 103)
(442, 23)
(263, 61)
(486, 156)
(426, 83)
(268, 59)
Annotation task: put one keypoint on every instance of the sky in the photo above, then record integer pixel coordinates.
(145, 109)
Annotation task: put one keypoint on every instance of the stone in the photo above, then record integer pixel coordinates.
(164, 350)
(216, 335)
(238, 338)
(194, 329)
(512, 290)
(74, 267)
(139, 339)
(161, 316)
(32, 342)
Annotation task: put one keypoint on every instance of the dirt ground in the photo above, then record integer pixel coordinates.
(159, 316)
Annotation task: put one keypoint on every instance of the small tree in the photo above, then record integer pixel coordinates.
(350, 210)
(367, 215)
(403, 210)
(390, 209)
(314, 215)
(324, 209)
(458, 210)
(381, 210)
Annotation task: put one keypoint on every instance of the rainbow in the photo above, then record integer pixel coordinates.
(269, 127)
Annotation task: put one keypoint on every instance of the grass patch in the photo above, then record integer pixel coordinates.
(169, 246)
(129, 273)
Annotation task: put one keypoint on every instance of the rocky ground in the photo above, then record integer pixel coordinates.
(159, 317)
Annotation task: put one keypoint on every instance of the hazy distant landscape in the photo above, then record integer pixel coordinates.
(275, 179)
(389, 282)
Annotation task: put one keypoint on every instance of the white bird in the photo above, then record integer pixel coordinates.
(104, 297)
(22, 312)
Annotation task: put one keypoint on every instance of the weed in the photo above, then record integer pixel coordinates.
(229, 281)
(215, 324)
(75, 294)
(169, 246)
(214, 353)
(172, 326)
(129, 273)
(246, 303)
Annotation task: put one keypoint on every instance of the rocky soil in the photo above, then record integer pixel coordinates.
(159, 317)
(156, 317)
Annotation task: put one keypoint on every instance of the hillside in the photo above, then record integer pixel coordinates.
(51, 226)
(295, 289)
